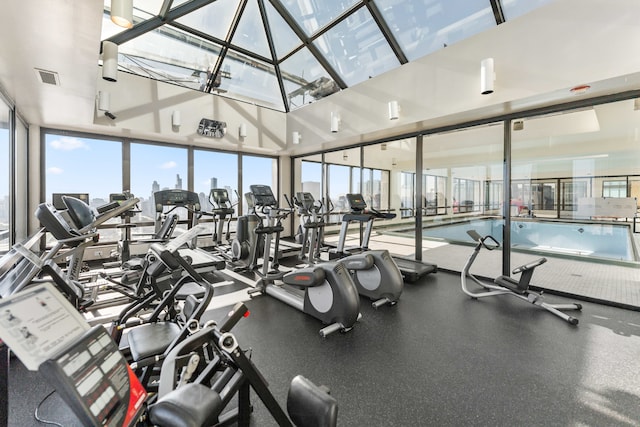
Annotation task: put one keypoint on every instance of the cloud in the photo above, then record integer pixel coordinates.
(168, 165)
(55, 170)
(66, 143)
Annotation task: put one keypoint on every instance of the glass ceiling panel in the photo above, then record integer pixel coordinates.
(250, 33)
(424, 26)
(514, 8)
(357, 49)
(151, 7)
(213, 19)
(250, 79)
(354, 47)
(284, 39)
(313, 15)
(171, 55)
(305, 80)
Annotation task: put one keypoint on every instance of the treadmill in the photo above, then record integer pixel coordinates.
(412, 270)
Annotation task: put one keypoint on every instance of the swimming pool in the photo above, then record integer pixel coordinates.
(606, 241)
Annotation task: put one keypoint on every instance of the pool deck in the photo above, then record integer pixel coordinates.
(608, 283)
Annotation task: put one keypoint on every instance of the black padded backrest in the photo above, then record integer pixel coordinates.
(310, 406)
(80, 213)
(167, 228)
(54, 222)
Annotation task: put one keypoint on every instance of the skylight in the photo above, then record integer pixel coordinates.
(284, 54)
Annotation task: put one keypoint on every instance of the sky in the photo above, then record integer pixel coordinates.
(84, 165)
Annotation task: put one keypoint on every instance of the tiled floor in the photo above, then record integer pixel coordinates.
(619, 285)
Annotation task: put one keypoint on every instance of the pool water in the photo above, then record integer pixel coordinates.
(607, 241)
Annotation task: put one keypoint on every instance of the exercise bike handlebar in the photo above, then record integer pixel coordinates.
(493, 243)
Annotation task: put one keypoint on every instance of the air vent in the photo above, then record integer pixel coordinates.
(48, 77)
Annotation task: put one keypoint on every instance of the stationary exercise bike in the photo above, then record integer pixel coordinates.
(374, 273)
(505, 285)
(325, 291)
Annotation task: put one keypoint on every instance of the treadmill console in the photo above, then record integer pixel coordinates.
(95, 381)
(356, 202)
(219, 195)
(263, 196)
(176, 197)
(305, 199)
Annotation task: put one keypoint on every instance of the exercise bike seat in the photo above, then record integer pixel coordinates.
(305, 277)
(520, 286)
(192, 405)
(151, 339)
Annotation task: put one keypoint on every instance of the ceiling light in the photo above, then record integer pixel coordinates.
(394, 110)
(122, 13)
(335, 122)
(109, 61)
(176, 119)
(487, 76)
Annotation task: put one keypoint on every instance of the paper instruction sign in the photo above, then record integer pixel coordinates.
(38, 322)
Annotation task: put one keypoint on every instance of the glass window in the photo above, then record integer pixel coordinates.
(305, 80)
(250, 33)
(424, 26)
(214, 19)
(356, 48)
(211, 170)
(312, 16)
(154, 168)
(5, 198)
(78, 164)
(83, 165)
(616, 188)
(260, 170)
(311, 178)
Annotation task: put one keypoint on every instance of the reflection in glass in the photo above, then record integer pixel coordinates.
(305, 80)
(5, 204)
(170, 55)
(252, 79)
(356, 48)
(250, 33)
(312, 16)
(213, 19)
(424, 26)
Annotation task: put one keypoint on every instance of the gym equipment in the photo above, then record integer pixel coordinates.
(325, 291)
(246, 244)
(151, 336)
(95, 381)
(222, 212)
(374, 273)
(311, 229)
(74, 232)
(411, 270)
(506, 285)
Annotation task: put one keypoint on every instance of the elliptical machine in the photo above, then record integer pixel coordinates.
(374, 273)
(325, 291)
(247, 244)
(505, 285)
(222, 212)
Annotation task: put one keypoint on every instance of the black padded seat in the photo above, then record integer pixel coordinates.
(510, 284)
(151, 339)
(311, 406)
(192, 405)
